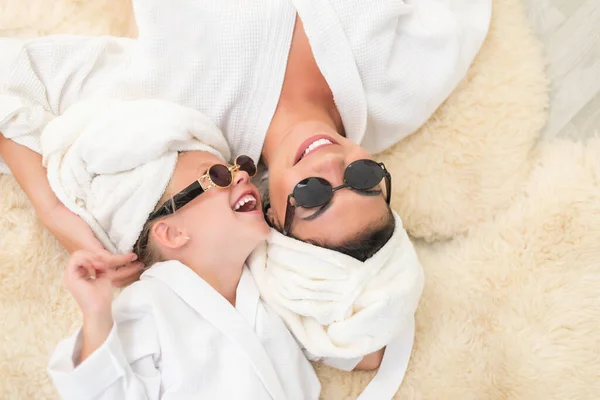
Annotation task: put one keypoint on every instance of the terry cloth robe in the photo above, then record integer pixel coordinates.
(174, 337)
(389, 64)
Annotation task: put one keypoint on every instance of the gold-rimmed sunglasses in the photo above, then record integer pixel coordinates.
(220, 175)
(217, 175)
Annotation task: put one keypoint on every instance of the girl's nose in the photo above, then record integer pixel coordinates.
(240, 177)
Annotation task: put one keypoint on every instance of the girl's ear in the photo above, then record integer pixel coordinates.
(169, 236)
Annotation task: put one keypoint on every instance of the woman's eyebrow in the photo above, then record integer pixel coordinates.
(324, 208)
(320, 211)
(367, 192)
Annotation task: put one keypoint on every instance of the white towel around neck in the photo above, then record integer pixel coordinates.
(335, 305)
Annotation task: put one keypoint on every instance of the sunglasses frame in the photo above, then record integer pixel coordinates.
(291, 208)
(195, 189)
(232, 170)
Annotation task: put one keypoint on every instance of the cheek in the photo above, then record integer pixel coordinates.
(207, 216)
(281, 185)
(276, 190)
(214, 230)
(355, 152)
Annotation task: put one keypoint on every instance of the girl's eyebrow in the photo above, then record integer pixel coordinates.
(203, 168)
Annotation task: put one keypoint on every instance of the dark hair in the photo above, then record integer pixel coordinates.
(145, 247)
(363, 246)
(368, 242)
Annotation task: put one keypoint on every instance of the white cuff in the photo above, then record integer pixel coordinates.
(94, 375)
(19, 117)
(22, 123)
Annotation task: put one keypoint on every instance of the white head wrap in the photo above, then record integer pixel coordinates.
(110, 161)
(335, 305)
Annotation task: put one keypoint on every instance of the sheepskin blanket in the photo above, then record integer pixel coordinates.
(508, 231)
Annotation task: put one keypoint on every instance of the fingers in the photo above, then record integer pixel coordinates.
(116, 260)
(125, 275)
(78, 265)
(80, 259)
(120, 269)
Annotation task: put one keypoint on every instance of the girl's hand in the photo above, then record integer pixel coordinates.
(63, 223)
(88, 278)
(123, 275)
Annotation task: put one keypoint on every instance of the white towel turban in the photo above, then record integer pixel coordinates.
(110, 161)
(336, 305)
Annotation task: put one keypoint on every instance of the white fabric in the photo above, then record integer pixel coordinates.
(343, 364)
(389, 64)
(335, 305)
(341, 309)
(110, 161)
(175, 337)
(394, 365)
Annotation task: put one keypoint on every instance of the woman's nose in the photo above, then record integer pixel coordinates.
(331, 167)
(240, 177)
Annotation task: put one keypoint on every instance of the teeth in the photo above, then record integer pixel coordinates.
(245, 199)
(316, 144)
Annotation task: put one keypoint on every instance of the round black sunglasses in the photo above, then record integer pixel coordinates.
(314, 192)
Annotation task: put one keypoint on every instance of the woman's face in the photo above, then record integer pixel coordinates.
(314, 149)
(228, 219)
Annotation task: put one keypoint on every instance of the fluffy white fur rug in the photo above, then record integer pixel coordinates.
(508, 231)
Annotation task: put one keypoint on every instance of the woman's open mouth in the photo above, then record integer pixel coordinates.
(312, 144)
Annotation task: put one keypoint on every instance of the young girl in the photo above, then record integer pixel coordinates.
(194, 326)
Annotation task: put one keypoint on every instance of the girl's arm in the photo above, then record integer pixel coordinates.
(106, 359)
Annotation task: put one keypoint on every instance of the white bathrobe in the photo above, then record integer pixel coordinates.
(176, 338)
(389, 64)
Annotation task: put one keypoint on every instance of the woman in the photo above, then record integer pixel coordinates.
(285, 81)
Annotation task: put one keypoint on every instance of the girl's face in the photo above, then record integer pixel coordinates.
(214, 221)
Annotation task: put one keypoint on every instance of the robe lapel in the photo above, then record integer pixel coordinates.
(247, 298)
(216, 310)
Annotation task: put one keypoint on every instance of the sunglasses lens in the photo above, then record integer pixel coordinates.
(363, 174)
(220, 175)
(313, 192)
(246, 164)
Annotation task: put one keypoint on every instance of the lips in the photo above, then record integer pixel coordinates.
(245, 203)
(248, 201)
(311, 144)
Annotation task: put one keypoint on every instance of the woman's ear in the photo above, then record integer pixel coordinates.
(168, 236)
(271, 219)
